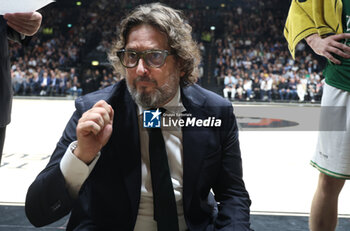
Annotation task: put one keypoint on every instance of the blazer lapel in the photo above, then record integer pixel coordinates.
(192, 143)
(126, 143)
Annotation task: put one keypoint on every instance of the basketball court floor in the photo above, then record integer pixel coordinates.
(277, 141)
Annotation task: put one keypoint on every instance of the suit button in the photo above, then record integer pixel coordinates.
(56, 206)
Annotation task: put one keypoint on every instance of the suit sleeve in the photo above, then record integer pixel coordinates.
(48, 198)
(230, 193)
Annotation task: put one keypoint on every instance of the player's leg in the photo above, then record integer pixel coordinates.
(324, 208)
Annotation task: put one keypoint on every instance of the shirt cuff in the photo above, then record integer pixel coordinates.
(74, 170)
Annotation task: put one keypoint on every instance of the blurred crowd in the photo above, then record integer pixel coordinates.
(250, 56)
(56, 62)
(252, 60)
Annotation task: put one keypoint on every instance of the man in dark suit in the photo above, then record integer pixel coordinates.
(103, 168)
(16, 27)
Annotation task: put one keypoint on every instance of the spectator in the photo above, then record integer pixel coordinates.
(292, 89)
(247, 88)
(230, 85)
(45, 83)
(256, 88)
(75, 89)
(301, 88)
(283, 89)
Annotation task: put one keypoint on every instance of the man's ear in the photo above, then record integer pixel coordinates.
(180, 63)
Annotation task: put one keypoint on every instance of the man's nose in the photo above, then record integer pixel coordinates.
(141, 67)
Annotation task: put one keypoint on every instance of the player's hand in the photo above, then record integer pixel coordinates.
(24, 23)
(94, 130)
(329, 46)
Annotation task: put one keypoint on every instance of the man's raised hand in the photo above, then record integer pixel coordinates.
(93, 131)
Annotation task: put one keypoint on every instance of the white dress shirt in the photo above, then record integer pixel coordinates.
(76, 172)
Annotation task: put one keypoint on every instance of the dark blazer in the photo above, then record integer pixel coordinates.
(5, 77)
(109, 198)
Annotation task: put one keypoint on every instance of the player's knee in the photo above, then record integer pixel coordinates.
(329, 184)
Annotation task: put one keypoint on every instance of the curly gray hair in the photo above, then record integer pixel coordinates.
(172, 23)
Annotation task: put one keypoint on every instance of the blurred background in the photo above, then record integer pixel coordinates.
(242, 38)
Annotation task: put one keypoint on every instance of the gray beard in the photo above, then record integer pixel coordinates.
(158, 97)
